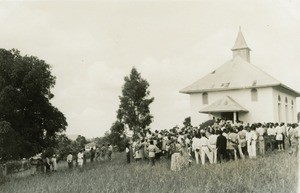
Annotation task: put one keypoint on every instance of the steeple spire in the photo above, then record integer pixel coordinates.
(241, 48)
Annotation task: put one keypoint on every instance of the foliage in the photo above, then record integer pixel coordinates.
(206, 124)
(8, 143)
(25, 94)
(274, 173)
(134, 103)
(187, 122)
(116, 135)
(63, 147)
(16, 166)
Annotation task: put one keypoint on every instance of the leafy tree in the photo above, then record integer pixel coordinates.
(63, 146)
(116, 135)
(187, 122)
(79, 143)
(8, 147)
(134, 103)
(25, 94)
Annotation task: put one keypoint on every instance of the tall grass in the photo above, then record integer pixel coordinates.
(274, 173)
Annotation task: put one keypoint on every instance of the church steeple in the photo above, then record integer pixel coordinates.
(241, 48)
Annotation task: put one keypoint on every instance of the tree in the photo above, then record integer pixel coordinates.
(187, 122)
(134, 103)
(25, 94)
(8, 142)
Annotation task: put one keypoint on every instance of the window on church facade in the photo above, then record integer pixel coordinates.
(254, 94)
(279, 108)
(205, 98)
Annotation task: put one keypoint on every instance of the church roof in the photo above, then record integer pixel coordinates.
(240, 42)
(225, 104)
(237, 73)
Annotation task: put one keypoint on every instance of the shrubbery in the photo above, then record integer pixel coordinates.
(17, 166)
(206, 124)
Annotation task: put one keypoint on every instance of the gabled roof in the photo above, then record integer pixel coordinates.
(225, 104)
(240, 42)
(234, 74)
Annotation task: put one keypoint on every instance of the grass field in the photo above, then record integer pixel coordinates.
(274, 173)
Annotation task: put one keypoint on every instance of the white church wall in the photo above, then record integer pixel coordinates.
(261, 110)
(284, 110)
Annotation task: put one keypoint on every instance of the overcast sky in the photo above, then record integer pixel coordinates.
(92, 46)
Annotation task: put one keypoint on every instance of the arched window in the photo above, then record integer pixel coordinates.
(292, 102)
(204, 98)
(279, 98)
(254, 94)
(286, 100)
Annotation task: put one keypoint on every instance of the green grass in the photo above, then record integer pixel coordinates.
(275, 173)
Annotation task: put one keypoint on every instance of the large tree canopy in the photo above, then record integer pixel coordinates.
(25, 93)
(134, 103)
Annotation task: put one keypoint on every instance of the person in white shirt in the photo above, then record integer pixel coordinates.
(80, 158)
(279, 137)
(196, 146)
(242, 147)
(205, 149)
(271, 135)
(261, 140)
(251, 138)
(70, 160)
(212, 139)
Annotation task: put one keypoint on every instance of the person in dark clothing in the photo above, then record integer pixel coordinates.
(221, 147)
(127, 150)
(93, 152)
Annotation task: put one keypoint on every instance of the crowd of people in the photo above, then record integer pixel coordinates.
(220, 142)
(47, 164)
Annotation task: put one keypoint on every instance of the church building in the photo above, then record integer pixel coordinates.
(238, 90)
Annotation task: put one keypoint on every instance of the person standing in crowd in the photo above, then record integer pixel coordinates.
(284, 132)
(232, 142)
(80, 158)
(34, 163)
(212, 145)
(138, 151)
(47, 164)
(196, 146)
(205, 151)
(271, 135)
(221, 147)
(103, 152)
(70, 160)
(92, 152)
(261, 140)
(152, 150)
(127, 150)
(294, 137)
(97, 154)
(176, 158)
(251, 138)
(279, 137)
(109, 151)
(54, 163)
(242, 142)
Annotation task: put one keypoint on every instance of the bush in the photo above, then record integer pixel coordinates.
(206, 124)
(17, 166)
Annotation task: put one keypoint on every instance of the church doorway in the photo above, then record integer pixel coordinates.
(228, 116)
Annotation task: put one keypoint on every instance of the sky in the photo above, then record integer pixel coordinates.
(93, 45)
